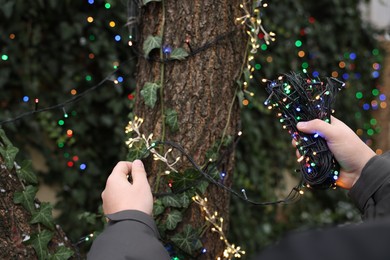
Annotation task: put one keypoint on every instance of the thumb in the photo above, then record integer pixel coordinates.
(316, 126)
(138, 173)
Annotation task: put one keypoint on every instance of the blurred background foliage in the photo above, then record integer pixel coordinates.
(53, 50)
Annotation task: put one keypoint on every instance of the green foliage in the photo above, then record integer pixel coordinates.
(188, 240)
(173, 218)
(53, 57)
(56, 51)
(151, 43)
(26, 198)
(137, 151)
(149, 93)
(178, 54)
(8, 151)
(43, 215)
(26, 173)
(39, 242)
(62, 253)
(171, 119)
(265, 160)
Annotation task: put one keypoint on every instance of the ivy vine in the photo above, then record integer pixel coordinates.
(41, 213)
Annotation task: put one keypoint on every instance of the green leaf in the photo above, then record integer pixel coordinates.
(137, 151)
(39, 243)
(171, 201)
(145, 2)
(43, 215)
(149, 93)
(26, 198)
(187, 240)
(173, 218)
(151, 42)
(178, 54)
(202, 186)
(26, 173)
(88, 217)
(186, 179)
(158, 207)
(184, 200)
(63, 253)
(171, 119)
(4, 138)
(7, 8)
(9, 153)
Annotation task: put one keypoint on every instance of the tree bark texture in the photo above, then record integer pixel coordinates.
(15, 226)
(201, 88)
(383, 115)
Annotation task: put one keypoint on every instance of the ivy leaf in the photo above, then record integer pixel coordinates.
(151, 42)
(4, 138)
(145, 2)
(171, 201)
(7, 9)
(39, 243)
(171, 119)
(158, 207)
(43, 215)
(184, 200)
(137, 151)
(26, 173)
(63, 253)
(9, 153)
(186, 179)
(202, 186)
(173, 218)
(187, 240)
(178, 54)
(149, 93)
(26, 198)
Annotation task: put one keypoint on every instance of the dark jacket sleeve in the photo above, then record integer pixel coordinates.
(369, 240)
(371, 193)
(130, 234)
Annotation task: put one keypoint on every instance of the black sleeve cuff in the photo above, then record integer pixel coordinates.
(374, 174)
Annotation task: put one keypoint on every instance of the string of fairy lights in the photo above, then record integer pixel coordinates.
(252, 20)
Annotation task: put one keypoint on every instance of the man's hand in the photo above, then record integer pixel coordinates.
(120, 194)
(349, 150)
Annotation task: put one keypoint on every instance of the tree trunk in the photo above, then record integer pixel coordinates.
(201, 88)
(16, 229)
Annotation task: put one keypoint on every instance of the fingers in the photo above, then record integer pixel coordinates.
(318, 126)
(138, 173)
(121, 170)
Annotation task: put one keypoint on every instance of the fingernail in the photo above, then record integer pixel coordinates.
(138, 163)
(301, 124)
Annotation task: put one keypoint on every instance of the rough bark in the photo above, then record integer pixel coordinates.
(15, 222)
(201, 88)
(383, 115)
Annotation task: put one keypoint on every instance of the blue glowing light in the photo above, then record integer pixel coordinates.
(345, 76)
(83, 166)
(366, 106)
(26, 99)
(120, 79)
(316, 74)
(352, 56)
(91, 2)
(117, 38)
(382, 97)
(375, 74)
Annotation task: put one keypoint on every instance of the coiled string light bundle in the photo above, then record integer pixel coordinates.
(298, 98)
